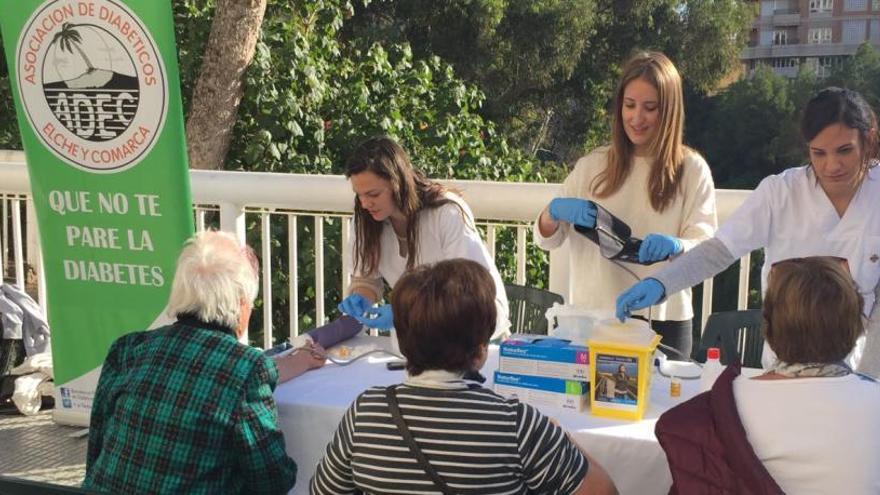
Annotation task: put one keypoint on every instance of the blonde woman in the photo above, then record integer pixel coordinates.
(649, 179)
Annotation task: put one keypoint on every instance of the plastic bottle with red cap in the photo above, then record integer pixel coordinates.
(712, 369)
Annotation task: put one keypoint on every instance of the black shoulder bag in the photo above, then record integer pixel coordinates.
(391, 396)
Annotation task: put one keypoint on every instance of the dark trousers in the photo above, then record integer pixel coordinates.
(676, 334)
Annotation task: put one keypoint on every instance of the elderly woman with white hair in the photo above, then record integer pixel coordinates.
(187, 408)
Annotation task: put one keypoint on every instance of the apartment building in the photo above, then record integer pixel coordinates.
(820, 33)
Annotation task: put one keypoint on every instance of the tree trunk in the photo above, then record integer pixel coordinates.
(219, 87)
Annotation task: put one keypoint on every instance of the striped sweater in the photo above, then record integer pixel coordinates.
(477, 441)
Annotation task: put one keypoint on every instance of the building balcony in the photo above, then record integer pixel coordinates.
(799, 50)
(787, 72)
(786, 17)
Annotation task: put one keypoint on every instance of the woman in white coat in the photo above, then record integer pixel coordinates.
(403, 220)
(826, 208)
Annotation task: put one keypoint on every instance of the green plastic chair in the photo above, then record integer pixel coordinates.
(737, 334)
(527, 308)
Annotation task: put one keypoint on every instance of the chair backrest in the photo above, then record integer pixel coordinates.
(16, 486)
(527, 308)
(737, 333)
(12, 353)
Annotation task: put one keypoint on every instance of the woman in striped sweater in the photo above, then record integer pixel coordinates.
(463, 438)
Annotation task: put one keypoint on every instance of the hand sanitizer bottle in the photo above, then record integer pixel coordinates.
(712, 369)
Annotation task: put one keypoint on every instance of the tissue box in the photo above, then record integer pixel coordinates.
(542, 391)
(540, 355)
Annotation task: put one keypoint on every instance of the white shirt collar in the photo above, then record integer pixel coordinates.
(440, 379)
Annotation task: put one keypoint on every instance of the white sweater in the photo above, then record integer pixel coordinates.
(814, 435)
(595, 281)
(444, 233)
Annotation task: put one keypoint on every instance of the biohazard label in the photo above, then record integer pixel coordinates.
(92, 83)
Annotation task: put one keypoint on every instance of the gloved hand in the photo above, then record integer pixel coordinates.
(575, 211)
(354, 305)
(646, 293)
(657, 247)
(379, 317)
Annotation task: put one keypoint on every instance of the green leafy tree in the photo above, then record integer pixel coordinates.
(311, 96)
(548, 67)
(9, 135)
(758, 141)
(235, 27)
(860, 72)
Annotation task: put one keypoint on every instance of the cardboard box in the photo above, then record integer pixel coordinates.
(539, 355)
(543, 391)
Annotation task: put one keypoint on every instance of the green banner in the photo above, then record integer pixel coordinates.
(98, 104)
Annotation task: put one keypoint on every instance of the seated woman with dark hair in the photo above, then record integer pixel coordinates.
(437, 433)
(808, 424)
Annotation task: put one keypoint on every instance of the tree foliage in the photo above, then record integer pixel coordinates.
(752, 128)
(755, 143)
(548, 67)
(311, 96)
(9, 135)
(860, 72)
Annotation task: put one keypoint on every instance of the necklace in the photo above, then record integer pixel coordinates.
(401, 244)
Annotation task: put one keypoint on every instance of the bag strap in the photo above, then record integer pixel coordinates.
(394, 407)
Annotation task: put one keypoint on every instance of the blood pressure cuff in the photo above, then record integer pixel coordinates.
(614, 237)
(342, 328)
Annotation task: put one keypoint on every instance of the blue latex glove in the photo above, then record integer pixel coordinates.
(379, 317)
(646, 293)
(657, 247)
(575, 211)
(354, 305)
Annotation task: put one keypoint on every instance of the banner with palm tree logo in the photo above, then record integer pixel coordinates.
(98, 104)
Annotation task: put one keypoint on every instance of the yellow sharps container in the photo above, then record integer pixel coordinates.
(621, 362)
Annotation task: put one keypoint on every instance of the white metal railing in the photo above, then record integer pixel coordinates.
(293, 201)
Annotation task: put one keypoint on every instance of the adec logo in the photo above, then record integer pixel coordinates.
(92, 83)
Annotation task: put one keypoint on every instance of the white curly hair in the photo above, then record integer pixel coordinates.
(214, 275)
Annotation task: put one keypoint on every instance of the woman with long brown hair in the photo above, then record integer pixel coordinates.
(649, 179)
(403, 220)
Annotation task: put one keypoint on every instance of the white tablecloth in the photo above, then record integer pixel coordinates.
(311, 406)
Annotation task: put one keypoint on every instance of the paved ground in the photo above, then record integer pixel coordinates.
(35, 448)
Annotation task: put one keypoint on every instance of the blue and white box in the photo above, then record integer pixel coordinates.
(539, 355)
(542, 391)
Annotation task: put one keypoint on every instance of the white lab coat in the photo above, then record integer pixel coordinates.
(790, 216)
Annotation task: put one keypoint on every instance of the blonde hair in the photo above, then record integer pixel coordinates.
(214, 275)
(812, 310)
(666, 146)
